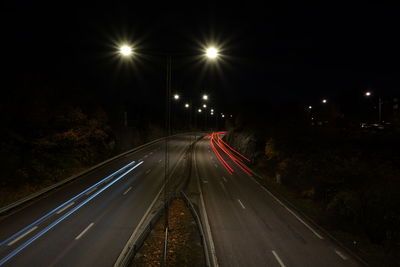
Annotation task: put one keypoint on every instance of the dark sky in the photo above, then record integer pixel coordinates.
(272, 53)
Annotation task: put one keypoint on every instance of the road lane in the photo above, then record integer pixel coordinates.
(250, 228)
(112, 215)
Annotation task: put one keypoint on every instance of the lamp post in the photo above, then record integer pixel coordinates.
(211, 53)
(380, 102)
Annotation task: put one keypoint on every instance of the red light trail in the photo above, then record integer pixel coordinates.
(217, 144)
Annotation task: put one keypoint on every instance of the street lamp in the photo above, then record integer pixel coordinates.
(368, 94)
(187, 105)
(199, 110)
(204, 105)
(309, 107)
(212, 52)
(125, 50)
(324, 101)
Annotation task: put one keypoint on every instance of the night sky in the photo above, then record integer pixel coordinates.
(272, 53)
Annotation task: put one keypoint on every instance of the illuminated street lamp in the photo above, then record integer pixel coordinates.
(187, 105)
(205, 97)
(212, 52)
(324, 101)
(204, 105)
(368, 94)
(176, 96)
(199, 110)
(125, 50)
(309, 107)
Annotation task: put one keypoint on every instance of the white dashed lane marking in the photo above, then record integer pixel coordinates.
(127, 190)
(84, 231)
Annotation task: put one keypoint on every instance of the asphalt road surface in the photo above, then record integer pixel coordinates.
(250, 227)
(88, 221)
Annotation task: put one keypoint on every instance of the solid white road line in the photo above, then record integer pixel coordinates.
(22, 236)
(241, 204)
(341, 254)
(66, 207)
(278, 259)
(94, 189)
(127, 190)
(148, 171)
(294, 214)
(84, 231)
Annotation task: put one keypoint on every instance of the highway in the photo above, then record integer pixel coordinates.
(248, 225)
(87, 222)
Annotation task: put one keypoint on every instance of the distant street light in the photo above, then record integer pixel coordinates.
(380, 102)
(199, 110)
(223, 116)
(186, 105)
(204, 105)
(125, 50)
(205, 97)
(309, 107)
(176, 96)
(212, 110)
(324, 101)
(212, 53)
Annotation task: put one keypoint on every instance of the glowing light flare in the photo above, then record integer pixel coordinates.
(368, 93)
(125, 50)
(212, 52)
(187, 105)
(176, 96)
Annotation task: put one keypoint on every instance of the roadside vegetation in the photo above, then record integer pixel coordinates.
(44, 140)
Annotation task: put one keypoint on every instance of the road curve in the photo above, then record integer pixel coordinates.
(88, 221)
(249, 226)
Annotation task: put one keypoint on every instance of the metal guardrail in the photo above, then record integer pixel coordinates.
(199, 226)
(133, 246)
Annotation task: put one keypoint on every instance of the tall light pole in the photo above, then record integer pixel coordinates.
(211, 53)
